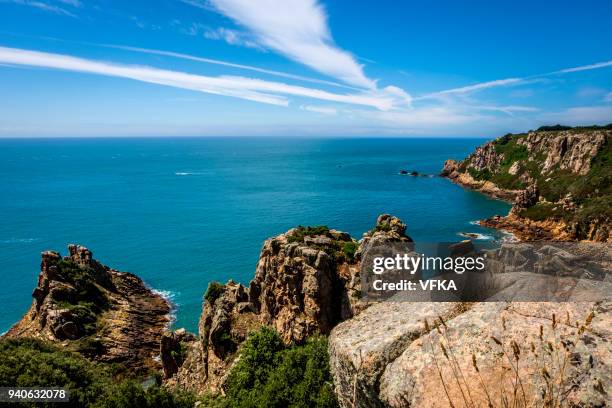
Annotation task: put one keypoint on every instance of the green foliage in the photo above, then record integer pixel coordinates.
(483, 175)
(543, 211)
(301, 232)
(270, 375)
(559, 127)
(215, 289)
(349, 249)
(130, 394)
(33, 363)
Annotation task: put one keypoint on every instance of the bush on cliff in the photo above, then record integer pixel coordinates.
(32, 363)
(271, 375)
(215, 289)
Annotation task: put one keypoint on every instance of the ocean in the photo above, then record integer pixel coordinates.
(181, 212)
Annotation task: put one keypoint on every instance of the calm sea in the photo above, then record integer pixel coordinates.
(180, 212)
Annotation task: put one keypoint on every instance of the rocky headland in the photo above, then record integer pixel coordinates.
(104, 314)
(558, 179)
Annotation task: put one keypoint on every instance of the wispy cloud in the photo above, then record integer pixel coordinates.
(584, 67)
(480, 86)
(325, 110)
(43, 6)
(515, 81)
(269, 92)
(232, 37)
(226, 64)
(297, 29)
(608, 97)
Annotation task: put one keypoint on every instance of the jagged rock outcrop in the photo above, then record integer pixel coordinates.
(105, 314)
(558, 181)
(306, 281)
(432, 354)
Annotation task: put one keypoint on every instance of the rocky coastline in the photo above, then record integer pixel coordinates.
(104, 314)
(557, 181)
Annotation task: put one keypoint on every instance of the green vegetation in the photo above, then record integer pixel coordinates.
(215, 289)
(591, 192)
(32, 363)
(349, 249)
(268, 374)
(341, 250)
(302, 232)
(558, 127)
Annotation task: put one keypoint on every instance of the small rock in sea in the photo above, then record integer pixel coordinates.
(403, 172)
(414, 173)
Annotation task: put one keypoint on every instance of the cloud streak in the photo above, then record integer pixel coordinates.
(257, 90)
(297, 29)
(44, 6)
(226, 64)
(514, 81)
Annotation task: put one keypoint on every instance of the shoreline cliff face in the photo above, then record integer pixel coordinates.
(558, 181)
(104, 314)
(306, 282)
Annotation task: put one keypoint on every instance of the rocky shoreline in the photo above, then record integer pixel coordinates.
(104, 314)
(558, 183)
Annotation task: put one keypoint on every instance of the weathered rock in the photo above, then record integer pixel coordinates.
(526, 198)
(303, 284)
(541, 158)
(105, 314)
(173, 350)
(428, 354)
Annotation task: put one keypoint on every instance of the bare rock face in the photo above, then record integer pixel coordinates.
(526, 198)
(306, 281)
(431, 354)
(569, 150)
(105, 314)
(560, 163)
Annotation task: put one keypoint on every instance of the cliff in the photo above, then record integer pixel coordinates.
(104, 314)
(496, 353)
(559, 181)
(306, 282)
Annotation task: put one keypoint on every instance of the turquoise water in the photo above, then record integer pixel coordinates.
(180, 212)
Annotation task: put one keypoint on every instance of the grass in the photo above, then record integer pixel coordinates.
(540, 373)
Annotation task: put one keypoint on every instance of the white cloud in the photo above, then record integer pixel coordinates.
(585, 67)
(41, 6)
(478, 87)
(325, 110)
(514, 81)
(225, 63)
(297, 29)
(232, 37)
(240, 87)
(608, 97)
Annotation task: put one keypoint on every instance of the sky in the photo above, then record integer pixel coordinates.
(302, 67)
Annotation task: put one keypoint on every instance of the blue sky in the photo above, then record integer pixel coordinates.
(302, 67)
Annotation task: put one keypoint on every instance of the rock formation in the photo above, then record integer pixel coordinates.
(431, 354)
(105, 314)
(306, 281)
(558, 181)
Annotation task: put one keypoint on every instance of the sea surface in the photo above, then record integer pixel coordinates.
(181, 212)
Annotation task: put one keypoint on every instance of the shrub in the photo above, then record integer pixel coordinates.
(270, 375)
(349, 249)
(215, 289)
(33, 363)
(301, 232)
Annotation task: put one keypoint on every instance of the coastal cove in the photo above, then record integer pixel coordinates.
(181, 212)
